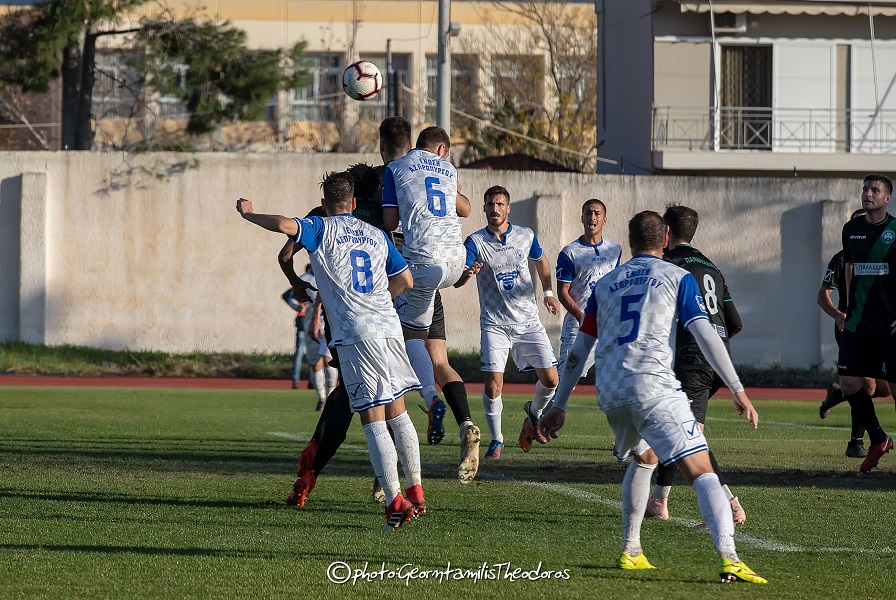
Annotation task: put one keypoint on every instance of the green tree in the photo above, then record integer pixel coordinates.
(58, 39)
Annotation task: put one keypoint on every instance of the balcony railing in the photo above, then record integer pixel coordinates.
(774, 129)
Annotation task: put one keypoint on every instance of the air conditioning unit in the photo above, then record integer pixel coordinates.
(729, 23)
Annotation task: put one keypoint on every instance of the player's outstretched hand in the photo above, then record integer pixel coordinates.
(552, 304)
(244, 207)
(743, 406)
(551, 422)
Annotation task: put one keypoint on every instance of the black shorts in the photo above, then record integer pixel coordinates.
(867, 356)
(437, 329)
(700, 386)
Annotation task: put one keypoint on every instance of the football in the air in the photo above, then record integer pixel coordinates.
(361, 80)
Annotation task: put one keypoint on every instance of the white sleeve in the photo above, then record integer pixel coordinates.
(572, 369)
(716, 354)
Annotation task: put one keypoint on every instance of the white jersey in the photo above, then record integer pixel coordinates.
(581, 265)
(423, 188)
(633, 312)
(506, 293)
(353, 262)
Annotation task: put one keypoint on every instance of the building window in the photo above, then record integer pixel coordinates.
(510, 87)
(375, 108)
(463, 86)
(116, 88)
(317, 100)
(745, 120)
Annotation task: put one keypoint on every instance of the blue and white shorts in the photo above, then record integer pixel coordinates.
(665, 424)
(415, 306)
(376, 372)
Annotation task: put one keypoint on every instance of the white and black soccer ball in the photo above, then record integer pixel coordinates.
(362, 80)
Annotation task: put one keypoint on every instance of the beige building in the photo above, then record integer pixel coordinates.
(497, 51)
(751, 88)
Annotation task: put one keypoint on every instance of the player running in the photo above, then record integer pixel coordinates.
(635, 308)
(498, 255)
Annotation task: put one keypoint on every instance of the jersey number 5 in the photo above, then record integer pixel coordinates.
(629, 314)
(435, 198)
(362, 275)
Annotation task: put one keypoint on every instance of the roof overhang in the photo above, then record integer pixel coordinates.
(885, 8)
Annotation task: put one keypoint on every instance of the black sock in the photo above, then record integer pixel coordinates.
(665, 475)
(332, 428)
(858, 432)
(864, 409)
(715, 467)
(837, 397)
(456, 396)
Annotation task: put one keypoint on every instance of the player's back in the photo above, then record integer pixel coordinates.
(352, 262)
(636, 307)
(423, 188)
(715, 293)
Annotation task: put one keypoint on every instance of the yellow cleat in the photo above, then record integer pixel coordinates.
(738, 571)
(634, 563)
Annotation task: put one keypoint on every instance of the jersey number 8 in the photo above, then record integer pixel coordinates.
(712, 300)
(362, 275)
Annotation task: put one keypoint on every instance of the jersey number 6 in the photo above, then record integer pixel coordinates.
(435, 198)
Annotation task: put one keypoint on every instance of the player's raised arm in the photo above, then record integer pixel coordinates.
(275, 223)
(462, 204)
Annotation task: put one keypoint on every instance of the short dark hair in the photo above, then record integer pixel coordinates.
(395, 134)
(646, 231)
(339, 189)
(496, 190)
(432, 137)
(883, 179)
(595, 201)
(682, 222)
(366, 180)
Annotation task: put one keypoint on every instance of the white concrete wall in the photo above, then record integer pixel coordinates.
(147, 252)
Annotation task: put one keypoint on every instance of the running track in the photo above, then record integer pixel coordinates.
(209, 383)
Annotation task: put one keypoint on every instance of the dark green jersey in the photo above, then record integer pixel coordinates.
(870, 250)
(719, 306)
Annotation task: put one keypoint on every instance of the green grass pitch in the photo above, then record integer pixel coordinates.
(126, 493)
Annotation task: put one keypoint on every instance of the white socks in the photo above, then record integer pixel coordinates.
(407, 444)
(383, 458)
(317, 378)
(661, 492)
(332, 379)
(716, 512)
(493, 409)
(543, 395)
(635, 492)
(422, 365)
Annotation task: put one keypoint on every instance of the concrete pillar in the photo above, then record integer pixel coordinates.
(550, 225)
(33, 260)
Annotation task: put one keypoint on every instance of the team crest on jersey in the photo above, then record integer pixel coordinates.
(507, 280)
(519, 254)
(888, 236)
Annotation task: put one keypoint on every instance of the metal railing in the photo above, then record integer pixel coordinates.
(779, 129)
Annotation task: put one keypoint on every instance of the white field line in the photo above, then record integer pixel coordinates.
(742, 538)
(782, 424)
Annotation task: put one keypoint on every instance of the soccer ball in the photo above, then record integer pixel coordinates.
(361, 80)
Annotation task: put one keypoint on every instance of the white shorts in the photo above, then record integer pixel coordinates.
(665, 424)
(528, 345)
(568, 338)
(317, 350)
(414, 307)
(376, 372)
